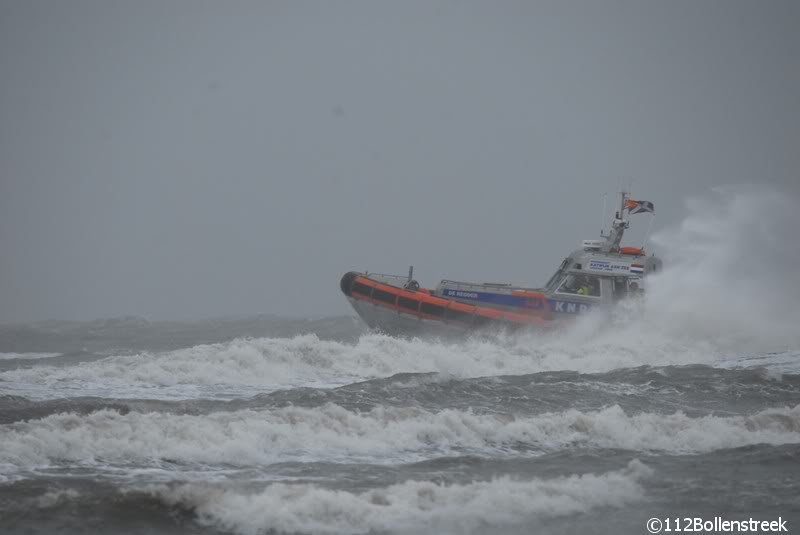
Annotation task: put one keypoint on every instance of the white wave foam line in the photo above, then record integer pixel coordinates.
(30, 356)
(776, 364)
(244, 367)
(264, 364)
(410, 507)
(56, 497)
(382, 435)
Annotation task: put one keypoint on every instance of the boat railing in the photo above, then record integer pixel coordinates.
(394, 280)
(490, 284)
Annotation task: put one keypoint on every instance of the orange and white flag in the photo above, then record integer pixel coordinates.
(637, 207)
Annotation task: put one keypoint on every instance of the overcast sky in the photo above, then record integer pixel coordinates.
(182, 159)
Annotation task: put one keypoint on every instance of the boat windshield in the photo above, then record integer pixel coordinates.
(556, 278)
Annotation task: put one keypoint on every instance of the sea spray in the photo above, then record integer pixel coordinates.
(732, 275)
(729, 287)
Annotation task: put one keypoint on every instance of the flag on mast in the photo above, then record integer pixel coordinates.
(637, 207)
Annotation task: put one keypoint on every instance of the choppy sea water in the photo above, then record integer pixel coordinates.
(265, 425)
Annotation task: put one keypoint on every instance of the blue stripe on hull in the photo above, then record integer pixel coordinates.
(555, 305)
(496, 299)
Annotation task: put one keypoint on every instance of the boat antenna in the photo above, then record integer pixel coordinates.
(603, 215)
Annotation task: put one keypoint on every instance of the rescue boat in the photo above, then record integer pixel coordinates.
(597, 276)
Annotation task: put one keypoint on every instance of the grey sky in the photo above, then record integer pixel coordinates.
(185, 159)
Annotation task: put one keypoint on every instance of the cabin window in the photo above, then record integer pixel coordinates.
(433, 310)
(362, 289)
(579, 284)
(410, 304)
(380, 295)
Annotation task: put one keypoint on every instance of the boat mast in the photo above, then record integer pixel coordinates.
(618, 226)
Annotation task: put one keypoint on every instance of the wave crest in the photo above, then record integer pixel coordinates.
(383, 435)
(410, 507)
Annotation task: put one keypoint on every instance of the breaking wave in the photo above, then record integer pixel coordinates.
(251, 366)
(382, 435)
(409, 507)
(262, 364)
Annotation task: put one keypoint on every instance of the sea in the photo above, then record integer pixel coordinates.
(272, 425)
(648, 420)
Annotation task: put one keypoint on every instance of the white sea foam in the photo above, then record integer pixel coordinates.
(382, 435)
(775, 364)
(243, 367)
(8, 356)
(247, 367)
(410, 507)
(222, 370)
(55, 497)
